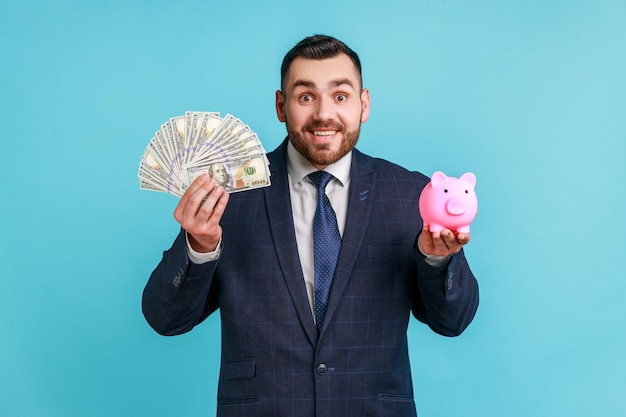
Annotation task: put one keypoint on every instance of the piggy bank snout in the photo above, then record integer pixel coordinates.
(456, 206)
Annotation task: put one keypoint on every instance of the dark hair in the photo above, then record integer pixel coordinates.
(318, 47)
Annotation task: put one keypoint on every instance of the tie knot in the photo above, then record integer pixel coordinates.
(321, 178)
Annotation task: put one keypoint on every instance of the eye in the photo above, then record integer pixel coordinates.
(466, 192)
(445, 190)
(341, 97)
(305, 98)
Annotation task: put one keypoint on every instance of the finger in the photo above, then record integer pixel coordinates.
(425, 241)
(220, 206)
(184, 200)
(187, 211)
(431, 243)
(463, 238)
(448, 236)
(199, 196)
(439, 242)
(208, 204)
(451, 241)
(198, 183)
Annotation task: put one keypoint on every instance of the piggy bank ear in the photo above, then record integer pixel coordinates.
(469, 177)
(438, 177)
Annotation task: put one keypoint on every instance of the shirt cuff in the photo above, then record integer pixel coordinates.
(203, 257)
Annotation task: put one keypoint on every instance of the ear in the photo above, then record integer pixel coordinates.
(469, 177)
(280, 106)
(365, 105)
(438, 177)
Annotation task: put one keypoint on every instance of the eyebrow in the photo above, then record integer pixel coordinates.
(333, 84)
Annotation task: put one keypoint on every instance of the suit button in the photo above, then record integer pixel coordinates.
(176, 281)
(322, 369)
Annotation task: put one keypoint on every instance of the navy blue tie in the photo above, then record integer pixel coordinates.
(326, 244)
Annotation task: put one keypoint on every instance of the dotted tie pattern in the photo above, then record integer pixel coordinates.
(326, 244)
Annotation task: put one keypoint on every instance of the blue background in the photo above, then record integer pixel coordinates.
(530, 95)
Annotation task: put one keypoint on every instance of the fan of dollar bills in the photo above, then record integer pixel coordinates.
(187, 146)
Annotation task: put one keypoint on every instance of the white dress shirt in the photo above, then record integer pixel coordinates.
(304, 202)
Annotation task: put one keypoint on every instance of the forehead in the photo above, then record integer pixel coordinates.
(322, 72)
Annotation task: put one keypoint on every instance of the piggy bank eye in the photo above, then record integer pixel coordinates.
(466, 192)
(445, 190)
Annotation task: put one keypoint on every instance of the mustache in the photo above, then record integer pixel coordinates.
(328, 125)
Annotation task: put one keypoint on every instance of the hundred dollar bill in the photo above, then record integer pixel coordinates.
(192, 119)
(235, 175)
(163, 136)
(149, 186)
(177, 137)
(209, 123)
(159, 143)
(195, 123)
(158, 151)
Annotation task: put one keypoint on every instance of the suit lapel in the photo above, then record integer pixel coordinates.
(359, 209)
(278, 205)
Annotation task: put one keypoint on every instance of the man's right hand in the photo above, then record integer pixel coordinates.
(199, 212)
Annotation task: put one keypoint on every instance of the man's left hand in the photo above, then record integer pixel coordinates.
(442, 243)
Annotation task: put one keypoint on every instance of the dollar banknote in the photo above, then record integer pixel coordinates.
(197, 143)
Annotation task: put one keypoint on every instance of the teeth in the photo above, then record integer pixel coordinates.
(324, 132)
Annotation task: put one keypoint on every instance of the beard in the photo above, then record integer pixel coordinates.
(322, 154)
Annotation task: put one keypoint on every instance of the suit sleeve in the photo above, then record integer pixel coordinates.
(447, 299)
(177, 296)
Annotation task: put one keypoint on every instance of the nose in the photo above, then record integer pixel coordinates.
(325, 109)
(455, 206)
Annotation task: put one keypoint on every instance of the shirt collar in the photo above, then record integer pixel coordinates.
(299, 167)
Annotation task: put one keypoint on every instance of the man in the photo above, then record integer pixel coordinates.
(290, 348)
(221, 176)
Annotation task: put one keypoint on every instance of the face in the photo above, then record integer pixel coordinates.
(218, 172)
(323, 107)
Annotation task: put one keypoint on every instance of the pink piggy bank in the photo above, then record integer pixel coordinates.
(448, 202)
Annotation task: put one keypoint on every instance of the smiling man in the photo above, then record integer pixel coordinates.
(315, 277)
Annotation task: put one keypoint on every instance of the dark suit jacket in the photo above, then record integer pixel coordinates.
(274, 360)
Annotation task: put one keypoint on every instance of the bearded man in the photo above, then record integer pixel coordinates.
(316, 276)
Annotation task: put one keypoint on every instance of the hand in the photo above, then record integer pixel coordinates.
(442, 243)
(199, 212)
